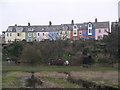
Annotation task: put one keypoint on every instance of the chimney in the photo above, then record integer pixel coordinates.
(95, 20)
(50, 23)
(28, 23)
(72, 22)
(15, 24)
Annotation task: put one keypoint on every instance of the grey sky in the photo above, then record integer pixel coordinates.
(40, 12)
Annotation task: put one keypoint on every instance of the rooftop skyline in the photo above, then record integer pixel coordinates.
(58, 11)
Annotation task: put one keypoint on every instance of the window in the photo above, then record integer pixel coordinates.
(30, 29)
(18, 34)
(38, 34)
(66, 32)
(42, 28)
(90, 30)
(99, 31)
(89, 25)
(34, 34)
(105, 31)
(99, 37)
(84, 31)
(10, 34)
(10, 29)
(29, 34)
(43, 34)
(75, 32)
(7, 34)
(60, 32)
(75, 27)
(80, 32)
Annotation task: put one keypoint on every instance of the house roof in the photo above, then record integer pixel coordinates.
(47, 28)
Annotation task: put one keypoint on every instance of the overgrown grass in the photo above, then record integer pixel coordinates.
(11, 80)
(106, 82)
(55, 68)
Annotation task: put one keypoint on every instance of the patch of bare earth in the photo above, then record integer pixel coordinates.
(104, 77)
(50, 73)
(48, 84)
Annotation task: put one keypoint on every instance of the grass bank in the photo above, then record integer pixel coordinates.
(56, 68)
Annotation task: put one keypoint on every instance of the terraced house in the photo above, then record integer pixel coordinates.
(96, 30)
(30, 33)
(14, 33)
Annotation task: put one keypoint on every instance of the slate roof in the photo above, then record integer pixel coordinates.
(47, 28)
(84, 26)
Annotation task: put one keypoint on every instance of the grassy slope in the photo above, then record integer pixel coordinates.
(55, 68)
(10, 80)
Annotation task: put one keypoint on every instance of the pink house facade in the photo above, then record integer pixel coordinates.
(100, 33)
(41, 36)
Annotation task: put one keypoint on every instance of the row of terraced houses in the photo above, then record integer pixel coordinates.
(73, 31)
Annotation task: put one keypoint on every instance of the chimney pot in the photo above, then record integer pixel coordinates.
(72, 22)
(28, 23)
(50, 23)
(96, 20)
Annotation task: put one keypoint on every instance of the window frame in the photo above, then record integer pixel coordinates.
(34, 34)
(38, 34)
(7, 34)
(99, 31)
(99, 37)
(89, 30)
(18, 34)
(105, 30)
(29, 34)
(80, 33)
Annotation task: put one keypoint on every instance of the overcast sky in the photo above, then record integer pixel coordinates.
(40, 12)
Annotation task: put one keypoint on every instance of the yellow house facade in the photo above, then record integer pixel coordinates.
(65, 34)
(16, 34)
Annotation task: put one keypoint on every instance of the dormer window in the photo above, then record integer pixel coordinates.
(89, 25)
(19, 29)
(30, 29)
(42, 28)
(10, 29)
(89, 28)
(75, 27)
